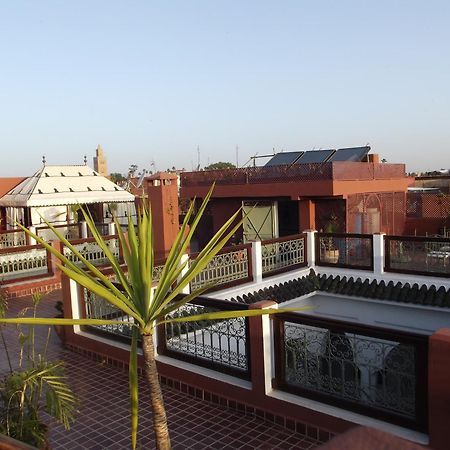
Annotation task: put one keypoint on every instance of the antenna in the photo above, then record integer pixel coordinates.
(237, 156)
(43, 159)
(198, 157)
(141, 179)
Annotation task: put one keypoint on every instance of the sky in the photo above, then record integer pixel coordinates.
(153, 81)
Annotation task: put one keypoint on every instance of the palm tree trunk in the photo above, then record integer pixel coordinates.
(159, 411)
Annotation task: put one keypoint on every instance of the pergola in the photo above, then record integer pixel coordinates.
(53, 190)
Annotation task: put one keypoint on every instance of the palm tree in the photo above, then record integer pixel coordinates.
(37, 385)
(135, 296)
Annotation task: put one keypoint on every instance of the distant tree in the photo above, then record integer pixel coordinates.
(220, 166)
(117, 177)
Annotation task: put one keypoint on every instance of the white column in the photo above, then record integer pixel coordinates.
(84, 233)
(111, 229)
(378, 253)
(257, 261)
(185, 259)
(311, 236)
(75, 300)
(269, 349)
(32, 241)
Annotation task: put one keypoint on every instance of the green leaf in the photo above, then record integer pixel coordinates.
(56, 321)
(103, 292)
(223, 315)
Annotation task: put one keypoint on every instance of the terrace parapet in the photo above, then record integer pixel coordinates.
(331, 176)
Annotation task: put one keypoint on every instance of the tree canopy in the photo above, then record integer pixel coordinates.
(220, 165)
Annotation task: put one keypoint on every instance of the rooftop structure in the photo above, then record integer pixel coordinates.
(53, 189)
(370, 350)
(291, 194)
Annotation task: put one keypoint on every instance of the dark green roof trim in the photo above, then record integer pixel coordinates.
(398, 292)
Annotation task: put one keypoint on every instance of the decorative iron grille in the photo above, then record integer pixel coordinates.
(98, 308)
(421, 255)
(279, 254)
(375, 371)
(92, 251)
(30, 262)
(12, 239)
(218, 344)
(225, 268)
(344, 250)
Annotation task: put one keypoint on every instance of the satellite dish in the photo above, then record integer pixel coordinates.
(141, 179)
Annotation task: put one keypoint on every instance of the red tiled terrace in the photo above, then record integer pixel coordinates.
(103, 419)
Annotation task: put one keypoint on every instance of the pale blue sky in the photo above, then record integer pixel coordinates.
(152, 80)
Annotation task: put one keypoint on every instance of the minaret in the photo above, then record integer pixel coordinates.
(100, 165)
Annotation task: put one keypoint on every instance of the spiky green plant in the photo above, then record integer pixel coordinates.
(136, 296)
(37, 385)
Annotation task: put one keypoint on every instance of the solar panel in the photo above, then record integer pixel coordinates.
(351, 154)
(284, 158)
(315, 156)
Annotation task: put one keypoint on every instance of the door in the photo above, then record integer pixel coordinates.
(260, 221)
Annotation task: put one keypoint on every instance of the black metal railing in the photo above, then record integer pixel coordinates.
(221, 345)
(371, 370)
(96, 307)
(352, 251)
(417, 255)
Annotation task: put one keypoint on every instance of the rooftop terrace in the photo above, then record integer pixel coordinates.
(103, 420)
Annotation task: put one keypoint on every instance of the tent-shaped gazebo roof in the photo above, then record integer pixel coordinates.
(65, 185)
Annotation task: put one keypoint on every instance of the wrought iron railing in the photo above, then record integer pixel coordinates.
(12, 238)
(98, 308)
(90, 250)
(371, 370)
(23, 262)
(353, 251)
(70, 232)
(221, 345)
(233, 265)
(417, 255)
(287, 253)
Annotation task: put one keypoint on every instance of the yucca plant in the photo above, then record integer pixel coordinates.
(37, 385)
(133, 293)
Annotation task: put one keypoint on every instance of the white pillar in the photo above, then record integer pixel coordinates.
(269, 349)
(257, 261)
(311, 236)
(185, 259)
(84, 233)
(75, 301)
(32, 241)
(378, 253)
(111, 229)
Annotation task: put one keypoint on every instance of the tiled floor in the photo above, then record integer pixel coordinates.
(103, 419)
